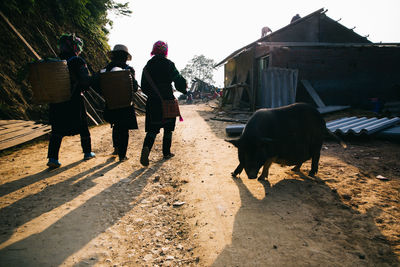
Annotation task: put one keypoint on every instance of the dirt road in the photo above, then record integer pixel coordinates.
(190, 211)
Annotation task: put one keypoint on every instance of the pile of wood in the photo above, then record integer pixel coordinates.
(16, 132)
(139, 100)
(95, 105)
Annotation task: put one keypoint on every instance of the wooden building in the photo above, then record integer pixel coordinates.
(313, 54)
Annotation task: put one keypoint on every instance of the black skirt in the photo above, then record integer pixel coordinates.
(125, 117)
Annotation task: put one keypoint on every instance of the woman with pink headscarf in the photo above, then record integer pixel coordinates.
(162, 73)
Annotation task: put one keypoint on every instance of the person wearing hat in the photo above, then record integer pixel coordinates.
(161, 72)
(69, 118)
(121, 119)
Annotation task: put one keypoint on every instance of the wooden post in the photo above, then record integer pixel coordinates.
(254, 81)
(313, 94)
(90, 117)
(92, 109)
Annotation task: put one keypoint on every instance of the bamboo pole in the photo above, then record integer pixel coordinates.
(47, 42)
(36, 55)
(97, 94)
(92, 109)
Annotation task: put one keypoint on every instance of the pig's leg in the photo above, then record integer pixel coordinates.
(314, 164)
(238, 170)
(264, 174)
(297, 167)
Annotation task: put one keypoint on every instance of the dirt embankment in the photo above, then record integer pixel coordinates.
(40, 28)
(189, 211)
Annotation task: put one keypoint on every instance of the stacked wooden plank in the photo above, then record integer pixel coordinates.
(16, 132)
(95, 105)
(139, 100)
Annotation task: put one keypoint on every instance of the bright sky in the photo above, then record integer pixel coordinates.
(216, 28)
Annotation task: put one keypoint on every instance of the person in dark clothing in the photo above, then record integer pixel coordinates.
(163, 72)
(121, 119)
(295, 17)
(69, 117)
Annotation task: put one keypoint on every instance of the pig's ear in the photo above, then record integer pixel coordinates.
(267, 140)
(234, 142)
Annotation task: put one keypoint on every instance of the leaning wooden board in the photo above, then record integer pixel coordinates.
(14, 132)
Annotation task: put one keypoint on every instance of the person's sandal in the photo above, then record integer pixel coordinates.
(89, 155)
(53, 163)
(123, 159)
(115, 152)
(170, 155)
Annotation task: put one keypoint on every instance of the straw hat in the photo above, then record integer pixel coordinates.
(120, 47)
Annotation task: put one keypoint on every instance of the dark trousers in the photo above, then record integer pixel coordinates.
(55, 143)
(167, 141)
(120, 137)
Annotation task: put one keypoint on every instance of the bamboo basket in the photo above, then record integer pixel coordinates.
(116, 87)
(50, 81)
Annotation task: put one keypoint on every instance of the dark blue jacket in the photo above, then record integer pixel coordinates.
(69, 118)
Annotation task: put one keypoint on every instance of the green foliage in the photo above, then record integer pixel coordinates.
(17, 6)
(5, 111)
(41, 22)
(88, 14)
(119, 8)
(201, 68)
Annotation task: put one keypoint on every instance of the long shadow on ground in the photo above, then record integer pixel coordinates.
(51, 197)
(47, 173)
(363, 156)
(302, 222)
(73, 231)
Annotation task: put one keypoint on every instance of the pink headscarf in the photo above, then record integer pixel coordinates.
(160, 48)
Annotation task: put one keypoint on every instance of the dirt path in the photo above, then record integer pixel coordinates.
(189, 211)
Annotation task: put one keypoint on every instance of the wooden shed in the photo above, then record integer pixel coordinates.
(317, 53)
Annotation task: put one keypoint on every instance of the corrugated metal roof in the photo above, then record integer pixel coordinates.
(359, 126)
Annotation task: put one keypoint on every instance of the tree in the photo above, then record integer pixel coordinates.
(201, 68)
(90, 15)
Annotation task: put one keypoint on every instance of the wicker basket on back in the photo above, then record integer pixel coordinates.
(116, 87)
(50, 81)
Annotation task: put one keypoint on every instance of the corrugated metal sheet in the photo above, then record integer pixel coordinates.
(359, 126)
(348, 125)
(278, 88)
(327, 109)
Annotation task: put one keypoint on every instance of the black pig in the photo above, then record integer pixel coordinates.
(288, 135)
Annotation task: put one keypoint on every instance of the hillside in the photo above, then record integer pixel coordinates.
(41, 23)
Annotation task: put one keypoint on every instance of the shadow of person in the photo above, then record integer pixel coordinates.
(77, 228)
(12, 186)
(302, 222)
(51, 197)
